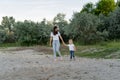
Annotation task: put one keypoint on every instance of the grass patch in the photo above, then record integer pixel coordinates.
(101, 50)
(100, 54)
(5, 45)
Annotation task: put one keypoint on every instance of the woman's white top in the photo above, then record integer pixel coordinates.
(55, 37)
(71, 47)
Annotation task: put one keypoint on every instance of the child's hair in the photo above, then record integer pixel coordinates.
(71, 40)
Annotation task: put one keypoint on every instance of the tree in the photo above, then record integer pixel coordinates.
(103, 26)
(2, 36)
(114, 24)
(59, 18)
(89, 8)
(118, 3)
(105, 7)
(83, 28)
(29, 32)
(60, 21)
(8, 22)
(7, 27)
(44, 31)
(25, 32)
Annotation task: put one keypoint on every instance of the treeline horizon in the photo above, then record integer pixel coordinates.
(93, 24)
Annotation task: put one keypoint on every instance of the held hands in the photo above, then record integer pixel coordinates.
(64, 44)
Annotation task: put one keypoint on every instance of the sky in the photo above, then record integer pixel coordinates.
(36, 10)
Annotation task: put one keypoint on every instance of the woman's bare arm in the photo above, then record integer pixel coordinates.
(50, 40)
(62, 40)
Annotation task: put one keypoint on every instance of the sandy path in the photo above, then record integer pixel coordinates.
(31, 65)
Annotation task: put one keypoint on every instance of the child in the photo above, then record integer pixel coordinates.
(71, 49)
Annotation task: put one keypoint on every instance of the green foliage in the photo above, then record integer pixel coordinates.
(83, 28)
(102, 27)
(59, 18)
(107, 50)
(28, 32)
(8, 22)
(102, 7)
(6, 45)
(89, 8)
(114, 24)
(118, 3)
(60, 21)
(7, 26)
(105, 7)
(2, 36)
(100, 54)
(95, 23)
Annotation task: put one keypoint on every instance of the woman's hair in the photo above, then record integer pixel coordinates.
(54, 30)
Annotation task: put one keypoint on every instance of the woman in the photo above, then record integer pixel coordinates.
(54, 40)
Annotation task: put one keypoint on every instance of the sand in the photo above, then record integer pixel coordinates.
(29, 64)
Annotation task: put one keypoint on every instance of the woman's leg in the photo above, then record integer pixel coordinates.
(54, 49)
(58, 48)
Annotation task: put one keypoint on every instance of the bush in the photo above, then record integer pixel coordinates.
(28, 32)
(114, 24)
(2, 36)
(83, 28)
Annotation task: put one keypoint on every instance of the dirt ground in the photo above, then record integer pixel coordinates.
(34, 64)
